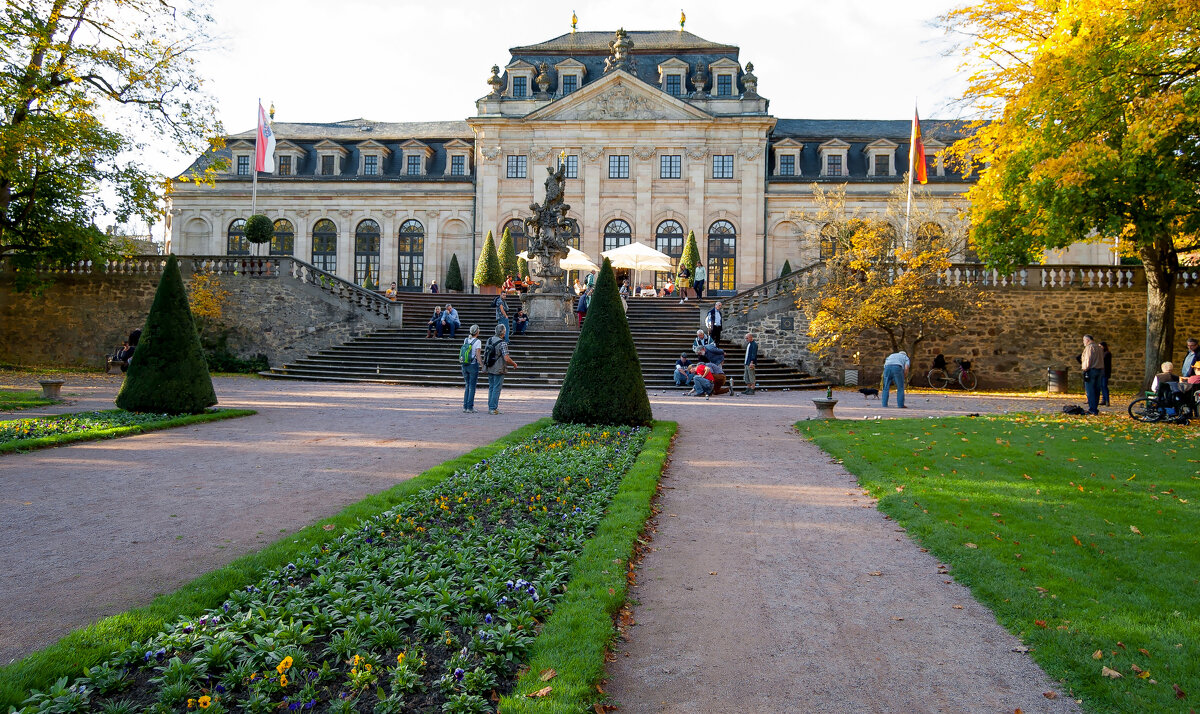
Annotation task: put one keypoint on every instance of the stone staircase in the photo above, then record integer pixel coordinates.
(662, 328)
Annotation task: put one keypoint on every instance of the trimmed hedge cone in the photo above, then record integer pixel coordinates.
(604, 383)
(168, 373)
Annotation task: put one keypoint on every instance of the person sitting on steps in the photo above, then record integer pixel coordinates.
(435, 323)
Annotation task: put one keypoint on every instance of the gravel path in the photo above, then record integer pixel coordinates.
(758, 594)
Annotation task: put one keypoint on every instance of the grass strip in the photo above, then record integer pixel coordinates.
(95, 643)
(576, 636)
(13, 399)
(45, 442)
(1082, 536)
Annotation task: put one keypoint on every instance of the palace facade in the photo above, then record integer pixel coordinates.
(662, 133)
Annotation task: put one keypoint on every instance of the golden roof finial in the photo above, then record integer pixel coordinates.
(682, 19)
(272, 111)
(574, 22)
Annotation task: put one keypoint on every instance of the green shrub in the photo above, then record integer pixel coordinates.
(604, 382)
(523, 267)
(259, 229)
(168, 373)
(454, 275)
(691, 256)
(487, 271)
(508, 256)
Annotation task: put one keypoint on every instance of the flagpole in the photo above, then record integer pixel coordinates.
(912, 153)
(254, 181)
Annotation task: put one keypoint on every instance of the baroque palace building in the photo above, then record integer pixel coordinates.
(662, 132)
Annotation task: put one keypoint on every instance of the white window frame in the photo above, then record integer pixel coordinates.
(330, 148)
(519, 163)
(937, 149)
(730, 164)
(725, 67)
(457, 147)
(787, 147)
(521, 68)
(412, 147)
(835, 147)
(881, 147)
(372, 148)
(674, 67)
(570, 68)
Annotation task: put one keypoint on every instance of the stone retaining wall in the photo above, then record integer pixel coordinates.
(80, 318)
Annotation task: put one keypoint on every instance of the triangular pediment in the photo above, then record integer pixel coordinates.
(286, 145)
(327, 145)
(618, 96)
(240, 145)
(884, 144)
(834, 144)
(370, 145)
(788, 143)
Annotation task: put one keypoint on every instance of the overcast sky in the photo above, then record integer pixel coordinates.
(396, 60)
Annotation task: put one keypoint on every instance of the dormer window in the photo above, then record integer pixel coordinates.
(935, 157)
(416, 157)
(458, 166)
(284, 166)
(373, 154)
(413, 167)
(881, 158)
(569, 84)
(834, 154)
(329, 155)
(458, 161)
(327, 165)
(520, 79)
(520, 88)
(724, 72)
(243, 155)
(371, 165)
(724, 85)
(288, 157)
(674, 85)
(787, 157)
(243, 165)
(672, 76)
(570, 76)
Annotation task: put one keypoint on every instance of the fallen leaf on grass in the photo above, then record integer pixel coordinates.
(1110, 673)
(970, 545)
(327, 526)
(1098, 654)
(1040, 623)
(1074, 538)
(1179, 693)
(548, 674)
(540, 693)
(1144, 651)
(1134, 529)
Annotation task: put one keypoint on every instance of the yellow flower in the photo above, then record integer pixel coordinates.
(368, 666)
(283, 680)
(253, 676)
(285, 665)
(205, 701)
(191, 703)
(400, 658)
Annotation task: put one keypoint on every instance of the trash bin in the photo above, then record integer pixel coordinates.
(1057, 380)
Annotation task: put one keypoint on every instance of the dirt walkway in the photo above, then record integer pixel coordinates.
(758, 595)
(94, 529)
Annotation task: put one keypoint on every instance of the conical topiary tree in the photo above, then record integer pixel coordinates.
(454, 275)
(787, 268)
(523, 266)
(487, 270)
(604, 380)
(690, 257)
(508, 255)
(168, 373)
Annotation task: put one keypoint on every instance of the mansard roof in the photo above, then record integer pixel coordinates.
(644, 42)
(868, 129)
(360, 129)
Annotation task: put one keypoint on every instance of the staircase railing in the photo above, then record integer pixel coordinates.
(354, 296)
(785, 286)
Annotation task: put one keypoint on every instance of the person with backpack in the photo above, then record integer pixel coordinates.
(581, 307)
(495, 357)
(470, 358)
(502, 314)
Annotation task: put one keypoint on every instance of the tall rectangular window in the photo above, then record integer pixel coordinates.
(787, 165)
(520, 87)
(670, 166)
(618, 167)
(723, 166)
(724, 85)
(674, 85)
(458, 166)
(414, 165)
(243, 168)
(371, 165)
(285, 166)
(572, 170)
(570, 83)
(327, 164)
(516, 167)
(883, 165)
(833, 165)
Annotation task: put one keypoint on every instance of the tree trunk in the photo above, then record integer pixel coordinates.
(1162, 265)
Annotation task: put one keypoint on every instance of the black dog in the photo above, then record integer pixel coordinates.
(868, 392)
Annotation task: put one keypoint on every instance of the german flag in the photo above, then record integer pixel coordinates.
(917, 151)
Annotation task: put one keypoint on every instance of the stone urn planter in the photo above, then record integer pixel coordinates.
(51, 388)
(825, 407)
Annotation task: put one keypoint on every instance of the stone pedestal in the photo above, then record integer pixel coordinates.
(51, 388)
(548, 311)
(825, 408)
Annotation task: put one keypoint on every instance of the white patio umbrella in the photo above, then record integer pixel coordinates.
(638, 256)
(575, 260)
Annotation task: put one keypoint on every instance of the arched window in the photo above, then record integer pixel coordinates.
(722, 257)
(668, 239)
(829, 241)
(366, 254)
(516, 229)
(237, 244)
(284, 241)
(324, 246)
(411, 249)
(616, 234)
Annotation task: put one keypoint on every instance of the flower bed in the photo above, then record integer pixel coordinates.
(39, 432)
(429, 606)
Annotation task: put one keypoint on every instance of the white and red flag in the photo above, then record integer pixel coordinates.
(264, 144)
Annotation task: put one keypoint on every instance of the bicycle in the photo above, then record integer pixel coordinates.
(962, 376)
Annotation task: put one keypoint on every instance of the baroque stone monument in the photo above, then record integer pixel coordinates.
(550, 304)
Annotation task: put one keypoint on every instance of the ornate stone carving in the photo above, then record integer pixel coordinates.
(539, 153)
(620, 103)
(592, 153)
(697, 152)
(643, 152)
(389, 213)
(750, 83)
(495, 83)
(543, 81)
(490, 153)
(345, 213)
(700, 81)
(750, 152)
(619, 57)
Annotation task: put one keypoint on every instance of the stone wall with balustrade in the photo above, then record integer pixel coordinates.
(1034, 319)
(280, 307)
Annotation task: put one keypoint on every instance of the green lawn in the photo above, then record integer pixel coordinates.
(1083, 536)
(12, 399)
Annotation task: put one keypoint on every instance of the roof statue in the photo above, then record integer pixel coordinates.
(620, 48)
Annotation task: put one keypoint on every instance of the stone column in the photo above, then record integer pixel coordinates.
(589, 213)
(434, 263)
(345, 244)
(388, 247)
(696, 168)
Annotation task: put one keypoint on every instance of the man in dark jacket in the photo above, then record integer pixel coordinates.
(750, 363)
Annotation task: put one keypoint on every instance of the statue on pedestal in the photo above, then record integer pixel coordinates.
(549, 229)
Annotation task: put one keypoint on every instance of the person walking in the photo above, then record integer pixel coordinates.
(450, 319)
(895, 371)
(713, 322)
(681, 283)
(470, 354)
(590, 281)
(581, 307)
(496, 362)
(502, 314)
(750, 363)
(1191, 360)
(1107, 374)
(698, 281)
(1092, 363)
